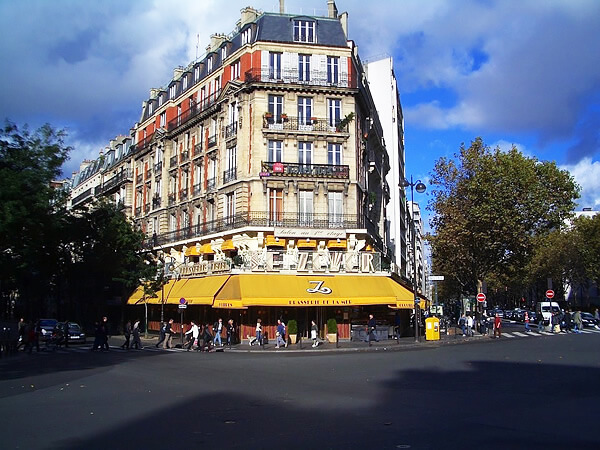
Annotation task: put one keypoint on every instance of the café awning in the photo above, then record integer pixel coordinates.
(196, 291)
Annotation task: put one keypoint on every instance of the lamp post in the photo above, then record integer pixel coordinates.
(420, 188)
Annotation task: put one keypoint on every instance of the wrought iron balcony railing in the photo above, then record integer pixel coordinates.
(285, 169)
(117, 180)
(211, 184)
(171, 199)
(212, 140)
(293, 76)
(194, 110)
(173, 161)
(230, 175)
(303, 124)
(184, 156)
(139, 178)
(231, 130)
(197, 190)
(158, 168)
(183, 194)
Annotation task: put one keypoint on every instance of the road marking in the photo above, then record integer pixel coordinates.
(586, 331)
(518, 333)
(547, 334)
(508, 335)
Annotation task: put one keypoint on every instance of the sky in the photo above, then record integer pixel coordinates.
(515, 72)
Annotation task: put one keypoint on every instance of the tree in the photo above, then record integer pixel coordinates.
(31, 212)
(488, 208)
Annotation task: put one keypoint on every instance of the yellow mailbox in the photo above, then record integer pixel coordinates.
(432, 329)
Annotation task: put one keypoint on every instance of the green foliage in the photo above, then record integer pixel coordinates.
(331, 326)
(346, 121)
(292, 327)
(489, 209)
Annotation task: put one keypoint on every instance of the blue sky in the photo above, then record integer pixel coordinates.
(522, 72)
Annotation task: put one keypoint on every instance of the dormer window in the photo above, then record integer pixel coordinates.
(304, 31)
(149, 107)
(196, 74)
(172, 91)
(160, 100)
(185, 83)
(209, 64)
(247, 36)
(223, 53)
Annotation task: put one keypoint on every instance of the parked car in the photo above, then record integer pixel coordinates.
(76, 334)
(47, 328)
(588, 320)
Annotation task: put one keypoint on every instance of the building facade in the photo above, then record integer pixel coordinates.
(265, 157)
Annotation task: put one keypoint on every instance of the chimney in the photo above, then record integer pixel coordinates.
(332, 9)
(177, 72)
(154, 93)
(344, 22)
(215, 42)
(281, 6)
(248, 15)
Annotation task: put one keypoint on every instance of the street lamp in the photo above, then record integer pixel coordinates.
(420, 188)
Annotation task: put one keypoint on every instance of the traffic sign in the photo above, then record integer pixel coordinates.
(436, 278)
(481, 297)
(182, 301)
(183, 306)
(550, 294)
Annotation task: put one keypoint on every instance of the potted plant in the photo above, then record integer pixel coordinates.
(284, 117)
(292, 330)
(332, 330)
(313, 119)
(268, 115)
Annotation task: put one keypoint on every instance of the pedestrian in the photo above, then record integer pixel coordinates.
(98, 336)
(597, 318)
(526, 320)
(127, 334)
(105, 333)
(207, 338)
(137, 343)
(397, 325)
(577, 321)
(22, 327)
(554, 322)
(230, 332)
(217, 329)
(195, 334)
(541, 323)
(280, 334)
(162, 333)
(168, 334)
(371, 327)
(462, 323)
(497, 326)
(568, 318)
(314, 333)
(470, 325)
(30, 338)
(259, 339)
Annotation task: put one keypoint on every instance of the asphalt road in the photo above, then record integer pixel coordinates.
(533, 392)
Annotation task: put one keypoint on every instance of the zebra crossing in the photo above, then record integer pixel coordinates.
(535, 333)
(87, 348)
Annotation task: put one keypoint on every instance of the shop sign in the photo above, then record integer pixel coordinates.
(320, 302)
(303, 233)
(205, 268)
(320, 261)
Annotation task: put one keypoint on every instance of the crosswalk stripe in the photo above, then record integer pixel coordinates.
(508, 335)
(587, 331)
(547, 334)
(520, 334)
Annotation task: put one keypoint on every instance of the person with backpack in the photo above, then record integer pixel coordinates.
(280, 334)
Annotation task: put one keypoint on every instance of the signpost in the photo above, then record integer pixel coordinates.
(481, 297)
(549, 294)
(182, 307)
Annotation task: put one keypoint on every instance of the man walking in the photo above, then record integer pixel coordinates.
(162, 335)
(497, 326)
(371, 327)
(195, 332)
(280, 334)
(168, 335)
(127, 334)
(217, 329)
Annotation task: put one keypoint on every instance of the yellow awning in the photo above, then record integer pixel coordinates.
(272, 241)
(311, 290)
(206, 249)
(192, 251)
(227, 245)
(368, 248)
(138, 297)
(196, 291)
(336, 243)
(311, 243)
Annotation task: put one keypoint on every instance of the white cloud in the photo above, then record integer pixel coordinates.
(587, 174)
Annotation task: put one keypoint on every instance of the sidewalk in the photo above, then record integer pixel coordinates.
(305, 346)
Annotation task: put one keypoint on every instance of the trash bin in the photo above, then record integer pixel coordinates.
(432, 329)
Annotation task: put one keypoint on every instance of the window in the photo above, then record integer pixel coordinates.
(336, 209)
(184, 82)
(150, 106)
(303, 67)
(198, 216)
(198, 175)
(304, 110)
(163, 119)
(334, 154)
(229, 208)
(334, 112)
(157, 186)
(230, 165)
(304, 31)
(185, 219)
(246, 36)
(172, 91)
(276, 107)
(235, 70)
(160, 99)
(178, 114)
(275, 151)
(275, 205)
(232, 113)
(209, 64)
(274, 66)
(305, 208)
(223, 53)
(196, 74)
(333, 70)
(305, 153)
(172, 222)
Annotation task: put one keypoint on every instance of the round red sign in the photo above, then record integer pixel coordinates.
(481, 297)
(549, 293)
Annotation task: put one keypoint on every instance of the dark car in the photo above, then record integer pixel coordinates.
(76, 334)
(588, 320)
(47, 328)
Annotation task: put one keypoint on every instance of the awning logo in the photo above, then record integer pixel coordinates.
(319, 288)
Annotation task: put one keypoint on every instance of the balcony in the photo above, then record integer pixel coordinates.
(231, 130)
(173, 162)
(171, 199)
(197, 189)
(300, 124)
(230, 175)
(211, 184)
(147, 208)
(183, 194)
(156, 201)
(212, 140)
(138, 211)
(143, 143)
(194, 110)
(158, 168)
(284, 169)
(88, 194)
(114, 182)
(317, 78)
(139, 178)
(148, 174)
(198, 149)
(264, 219)
(184, 156)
